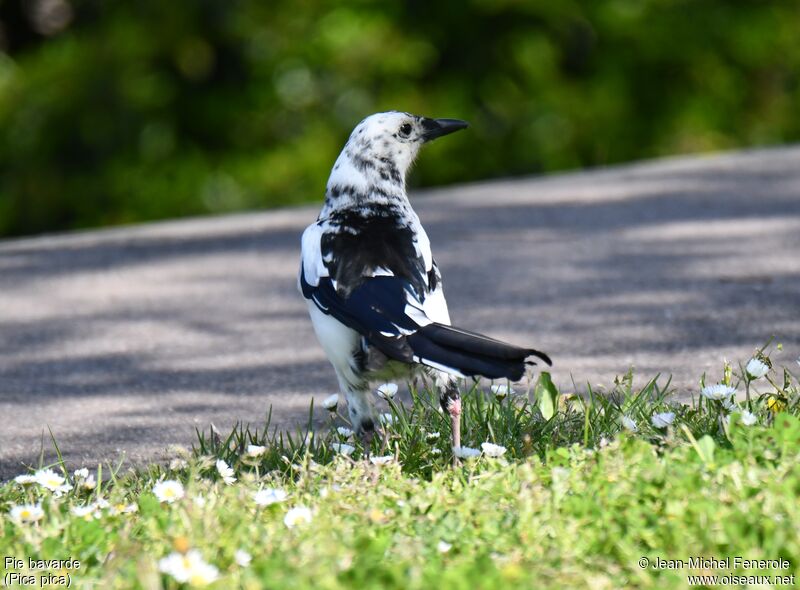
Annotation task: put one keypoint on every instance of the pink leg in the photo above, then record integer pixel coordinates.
(451, 403)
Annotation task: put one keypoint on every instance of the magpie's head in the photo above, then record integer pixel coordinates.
(396, 137)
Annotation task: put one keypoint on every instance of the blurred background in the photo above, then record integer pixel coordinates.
(115, 112)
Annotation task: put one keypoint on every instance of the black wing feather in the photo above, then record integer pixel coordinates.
(376, 309)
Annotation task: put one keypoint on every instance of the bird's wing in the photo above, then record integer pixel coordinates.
(406, 325)
(383, 307)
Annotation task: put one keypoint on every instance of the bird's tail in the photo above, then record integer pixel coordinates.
(458, 351)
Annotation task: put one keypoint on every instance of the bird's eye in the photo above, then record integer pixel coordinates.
(405, 129)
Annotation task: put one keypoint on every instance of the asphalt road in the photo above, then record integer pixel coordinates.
(123, 341)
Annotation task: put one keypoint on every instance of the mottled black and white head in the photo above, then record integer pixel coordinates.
(382, 148)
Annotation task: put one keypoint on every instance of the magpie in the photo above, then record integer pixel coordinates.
(374, 291)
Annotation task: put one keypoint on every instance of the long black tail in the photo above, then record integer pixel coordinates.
(468, 353)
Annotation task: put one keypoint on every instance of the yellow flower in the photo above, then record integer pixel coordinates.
(181, 544)
(776, 404)
(376, 516)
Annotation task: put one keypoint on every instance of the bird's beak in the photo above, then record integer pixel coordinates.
(438, 127)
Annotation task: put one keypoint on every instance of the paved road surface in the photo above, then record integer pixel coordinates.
(125, 340)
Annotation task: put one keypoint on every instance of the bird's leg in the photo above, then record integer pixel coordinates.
(450, 398)
(384, 440)
(366, 440)
(360, 411)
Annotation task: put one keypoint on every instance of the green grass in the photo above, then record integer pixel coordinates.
(576, 500)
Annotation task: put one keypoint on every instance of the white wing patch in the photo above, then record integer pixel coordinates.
(416, 312)
(435, 306)
(313, 265)
(423, 246)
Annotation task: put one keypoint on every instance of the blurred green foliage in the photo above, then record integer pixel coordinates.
(119, 111)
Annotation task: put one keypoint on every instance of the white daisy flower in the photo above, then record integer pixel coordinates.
(718, 392)
(269, 496)
(84, 479)
(26, 513)
(492, 450)
(728, 404)
(629, 424)
(344, 431)
(756, 369)
(436, 451)
(202, 573)
(748, 418)
(387, 390)
(47, 478)
(25, 479)
(663, 420)
(443, 547)
(343, 448)
(255, 450)
(387, 419)
(242, 558)
(297, 516)
(199, 501)
(432, 436)
(385, 460)
(175, 565)
(101, 503)
(168, 491)
(466, 452)
(225, 472)
(501, 391)
(61, 490)
(178, 464)
(88, 512)
(189, 567)
(122, 509)
(331, 402)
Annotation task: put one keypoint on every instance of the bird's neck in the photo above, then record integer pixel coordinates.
(358, 181)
